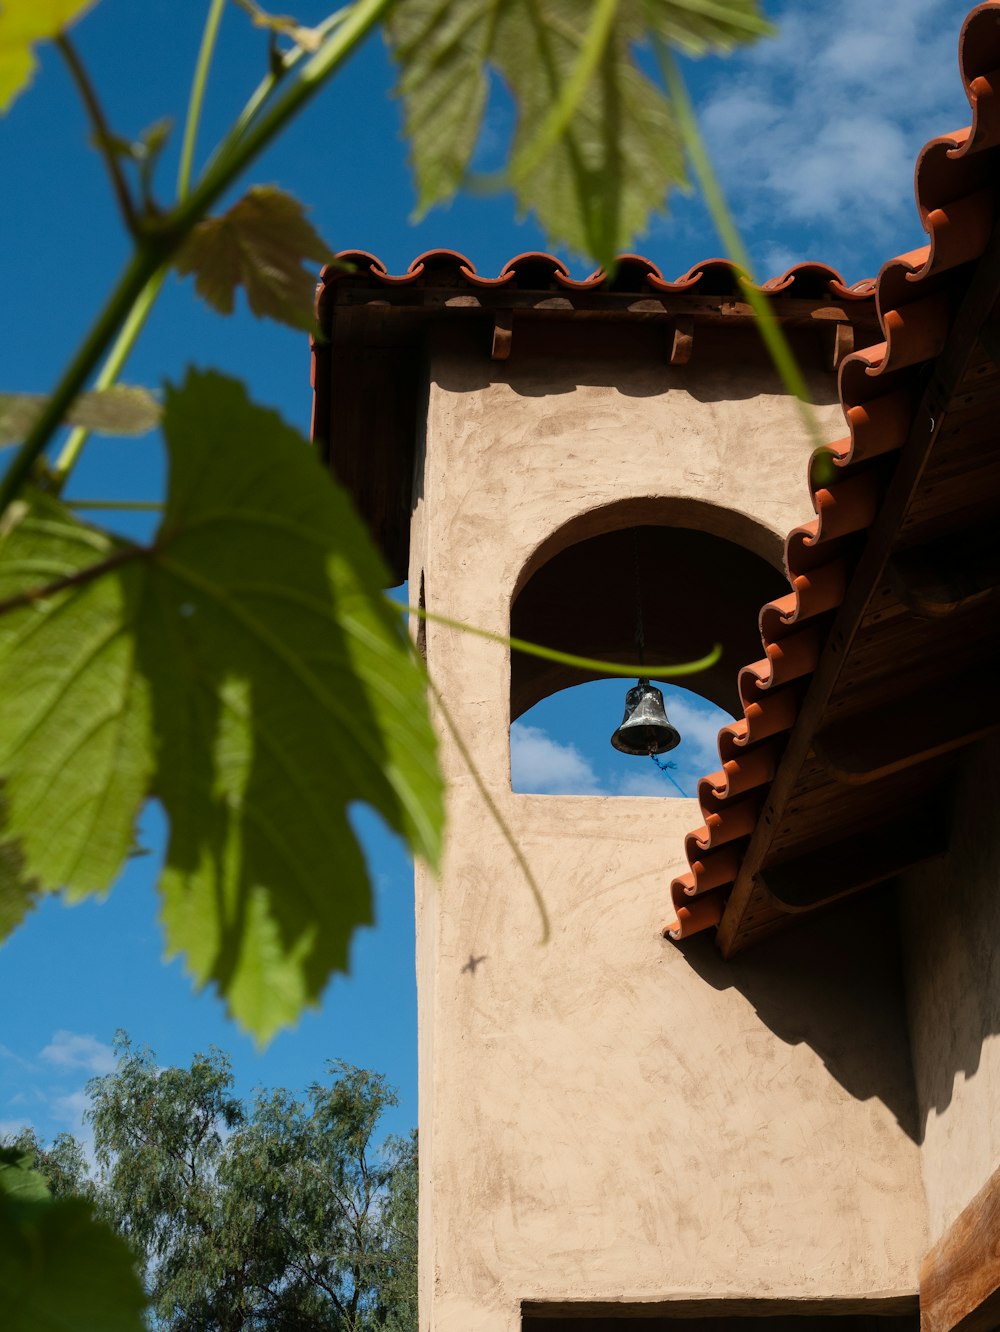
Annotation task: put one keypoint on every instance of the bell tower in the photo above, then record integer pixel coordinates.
(613, 1128)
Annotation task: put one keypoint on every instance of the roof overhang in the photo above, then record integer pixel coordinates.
(370, 367)
(881, 664)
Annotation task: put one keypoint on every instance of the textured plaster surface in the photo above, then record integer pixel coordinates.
(606, 1117)
(951, 915)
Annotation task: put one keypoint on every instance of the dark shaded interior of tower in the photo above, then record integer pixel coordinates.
(679, 590)
(792, 1322)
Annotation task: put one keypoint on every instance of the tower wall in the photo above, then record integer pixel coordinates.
(951, 920)
(606, 1117)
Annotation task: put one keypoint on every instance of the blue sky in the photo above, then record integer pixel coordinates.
(814, 135)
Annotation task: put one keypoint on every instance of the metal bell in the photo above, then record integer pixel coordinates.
(645, 728)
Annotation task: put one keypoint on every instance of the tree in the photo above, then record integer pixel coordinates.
(286, 1217)
(63, 1165)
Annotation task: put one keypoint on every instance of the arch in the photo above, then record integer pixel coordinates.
(704, 573)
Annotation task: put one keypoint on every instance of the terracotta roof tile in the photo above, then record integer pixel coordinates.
(535, 271)
(956, 184)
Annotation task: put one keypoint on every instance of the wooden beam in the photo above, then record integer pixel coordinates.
(975, 309)
(862, 859)
(503, 332)
(960, 1276)
(950, 574)
(613, 304)
(840, 343)
(940, 717)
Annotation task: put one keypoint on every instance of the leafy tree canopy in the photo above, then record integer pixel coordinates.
(284, 1215)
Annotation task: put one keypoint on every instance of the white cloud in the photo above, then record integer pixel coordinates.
(821, 126)
(774, 260)
(545, 766)
(649, 782)
(70, 1108)
(69, 1049)
(10, 1128)
(698, 722)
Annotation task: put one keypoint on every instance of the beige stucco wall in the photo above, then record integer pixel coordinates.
(951, 923)
(604, 1116)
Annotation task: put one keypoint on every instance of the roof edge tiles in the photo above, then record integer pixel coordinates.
(956, 187)
(536, 270)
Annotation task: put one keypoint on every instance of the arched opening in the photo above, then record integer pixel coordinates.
(692, 575)
(562, 746)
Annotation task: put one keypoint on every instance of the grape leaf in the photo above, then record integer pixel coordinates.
(608, 168)
(121, 409)
(260, 243)
(18, 893)
(75, 718)
(246, 671)
(62, 1270)
(284, 689)
(17, 1178)
(22, 23)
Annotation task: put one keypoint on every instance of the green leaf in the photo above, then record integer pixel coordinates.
(285, 689)
(119, 410)
(246, 671)
(75, 719)
(61, 1270)
(261, 243)
(18, 892)
(22, 24)
(596, 146)
(18, 1179)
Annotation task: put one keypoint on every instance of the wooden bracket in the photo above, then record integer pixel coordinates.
(860, 860)
(840, 343)
(960, 1276)
(682, 344)
(503, 332)
(941, 716)
(949, 574)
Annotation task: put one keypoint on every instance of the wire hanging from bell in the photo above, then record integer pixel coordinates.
(645, 728)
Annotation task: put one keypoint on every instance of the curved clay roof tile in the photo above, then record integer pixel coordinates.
(956, 186)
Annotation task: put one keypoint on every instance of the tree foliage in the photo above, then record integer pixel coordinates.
(285, 1216)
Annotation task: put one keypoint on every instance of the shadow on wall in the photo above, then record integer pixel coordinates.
(728, 364)
(950, 924)
(833, 982)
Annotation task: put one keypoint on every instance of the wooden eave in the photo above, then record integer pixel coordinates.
(909, 671)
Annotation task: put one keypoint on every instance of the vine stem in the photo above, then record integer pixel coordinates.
(625, 672)
(495, 813)
(111, 369)
(141, 267)
(136, 320)
(770, 330)
(128, 506)
(227, 166)
(198, 85)
(268, 84)
(102, 133)
(157, 245)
